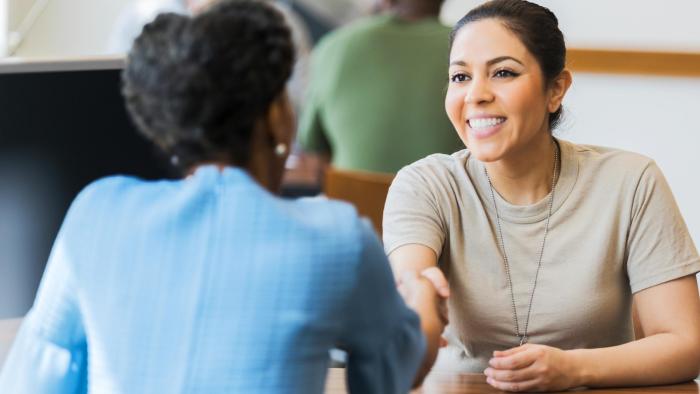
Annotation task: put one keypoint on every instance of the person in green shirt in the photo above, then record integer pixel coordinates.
(376, 90)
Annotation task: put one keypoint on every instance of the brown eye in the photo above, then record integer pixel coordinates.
(505, 74)
(459, 77)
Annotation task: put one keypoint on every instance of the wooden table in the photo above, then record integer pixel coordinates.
(436, 383)
(445, 383)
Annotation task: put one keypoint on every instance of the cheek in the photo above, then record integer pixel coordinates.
(454, 102)
(527, 104)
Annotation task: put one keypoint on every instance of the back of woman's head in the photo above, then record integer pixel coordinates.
(537, 28)
(198, 86)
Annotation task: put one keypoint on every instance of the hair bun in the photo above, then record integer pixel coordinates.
(167, 20)
(197, 86)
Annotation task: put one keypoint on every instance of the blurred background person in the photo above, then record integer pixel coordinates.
(375, 90)
(322, 16)
(212, 283)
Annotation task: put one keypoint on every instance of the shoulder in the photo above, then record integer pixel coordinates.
(435, 169)
(321, 211)
(332, 229)
(334, 223)
(611, 162)
(112, 196)
(358, 30)
(102, 191)
(118, 187)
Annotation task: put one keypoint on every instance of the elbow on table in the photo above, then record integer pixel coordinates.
(693, 365)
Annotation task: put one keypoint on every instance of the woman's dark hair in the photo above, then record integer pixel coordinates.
(537, 28)
(197, 86)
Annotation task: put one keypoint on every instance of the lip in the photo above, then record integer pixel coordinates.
(487, 132)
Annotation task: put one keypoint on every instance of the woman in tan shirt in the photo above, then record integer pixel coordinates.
(544, 244)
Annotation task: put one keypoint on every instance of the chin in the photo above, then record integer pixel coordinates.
(486, 154)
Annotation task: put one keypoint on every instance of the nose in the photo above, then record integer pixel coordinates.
(479, 91)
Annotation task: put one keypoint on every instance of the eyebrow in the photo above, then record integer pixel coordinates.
(490, 62)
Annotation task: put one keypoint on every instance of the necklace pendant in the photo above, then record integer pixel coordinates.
(523, 339)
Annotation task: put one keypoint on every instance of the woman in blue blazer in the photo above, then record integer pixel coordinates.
(212, 283)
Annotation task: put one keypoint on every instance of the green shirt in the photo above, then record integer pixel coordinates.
(376, 96)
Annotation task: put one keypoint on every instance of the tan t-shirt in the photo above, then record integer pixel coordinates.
(615, 230)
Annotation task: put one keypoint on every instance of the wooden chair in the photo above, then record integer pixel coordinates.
(365, 190)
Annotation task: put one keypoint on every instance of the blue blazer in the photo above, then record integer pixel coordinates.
(212, 285)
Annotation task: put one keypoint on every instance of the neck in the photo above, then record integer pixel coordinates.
(258, 168)
(267, 169)
(264, 165)
(525, 176)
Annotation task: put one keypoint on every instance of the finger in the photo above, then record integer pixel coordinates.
(408, 278)
(511, 375)
(528, 385)
(403, 291)
(517, 361)
(435, 275)
(443, 342)
(511, 351)
(417, 291)
(444, 313)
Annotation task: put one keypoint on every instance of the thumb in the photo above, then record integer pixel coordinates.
(437, 278)
(409, 277)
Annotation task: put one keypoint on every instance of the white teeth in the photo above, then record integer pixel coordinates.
(482, 123)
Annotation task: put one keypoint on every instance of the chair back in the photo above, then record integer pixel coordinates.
(365, 190)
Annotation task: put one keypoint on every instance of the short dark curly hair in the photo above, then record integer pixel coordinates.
(196, 86)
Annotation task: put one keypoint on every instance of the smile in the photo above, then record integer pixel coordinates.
(485, 127)
(485, 123)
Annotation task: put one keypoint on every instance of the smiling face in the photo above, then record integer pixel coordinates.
(497, 98)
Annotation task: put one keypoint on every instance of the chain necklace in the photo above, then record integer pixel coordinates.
(523, 337)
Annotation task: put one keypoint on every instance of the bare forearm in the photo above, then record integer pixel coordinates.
(415, 258)
(401, 268)
(432, 330)
(658, 359)
(417, 261)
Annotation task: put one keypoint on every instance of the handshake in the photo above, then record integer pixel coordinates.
(426, 292)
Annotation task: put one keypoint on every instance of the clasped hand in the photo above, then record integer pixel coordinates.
(531, 367)
(425, 289)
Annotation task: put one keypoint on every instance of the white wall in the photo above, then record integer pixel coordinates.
(81, 27)
(17, 10)
(4, 28)
(69, 28)
(655, 116)
(662, 25)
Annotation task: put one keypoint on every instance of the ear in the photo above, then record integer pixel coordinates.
(558, 90)
(280, 121)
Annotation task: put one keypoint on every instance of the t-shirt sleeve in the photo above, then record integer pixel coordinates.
(49, 354)
(412, 213)
(659, 247)
(382, 335)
